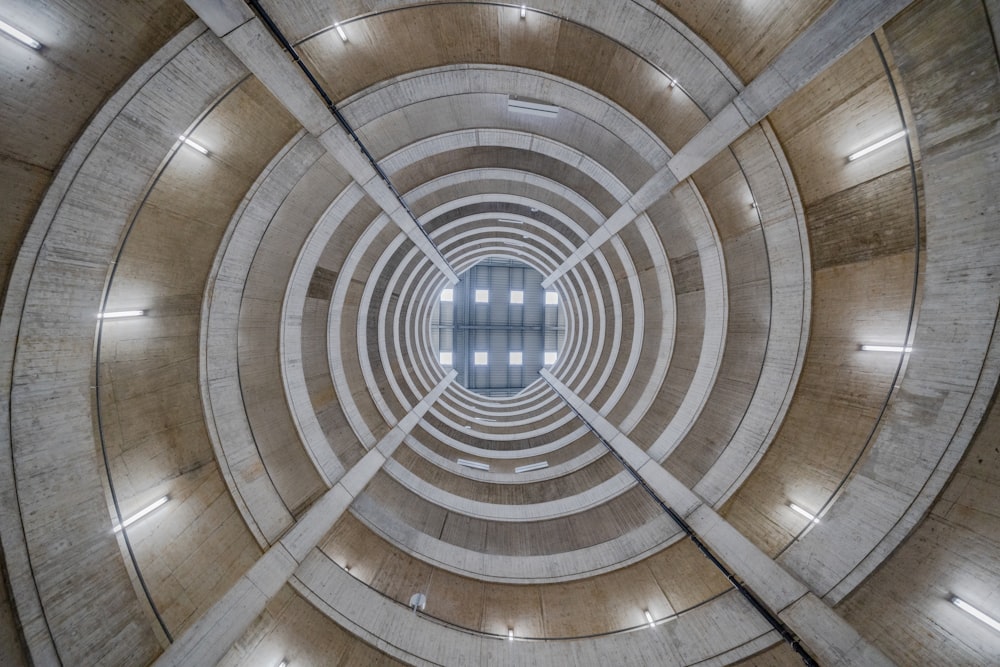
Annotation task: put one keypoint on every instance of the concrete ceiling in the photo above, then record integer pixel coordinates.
(721, 262)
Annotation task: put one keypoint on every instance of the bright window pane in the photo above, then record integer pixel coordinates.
(550, 358)
(516, 296)
(551, 298)
(516, 358)
(448, 294)
(445, 358)
(482, 296)
(480, 358)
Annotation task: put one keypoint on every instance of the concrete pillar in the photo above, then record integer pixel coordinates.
(830, 639)
(206, 642)
(240, 30)
(838, 30)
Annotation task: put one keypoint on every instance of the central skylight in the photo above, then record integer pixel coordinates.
(498, 327)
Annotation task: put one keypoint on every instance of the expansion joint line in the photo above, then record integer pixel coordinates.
(341, 120)
(776, 623)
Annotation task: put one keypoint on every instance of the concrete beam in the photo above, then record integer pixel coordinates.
(829, 637)
(838, 30)
(251, 42)
(208, 640)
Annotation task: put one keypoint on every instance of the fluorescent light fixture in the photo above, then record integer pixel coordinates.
(524, 11)
(877, 145)
(28, 41)
(116, 314)
(198, 147)
(649, 618)
(972, 611)
(532, 466)
(516, 296)
(533, 108)
(510, 634)
(673, 81)
(482, 296)
(340, 31)
(480, 358)
(474, 464)
(448, 294)
(509, 221)
(886, 348)
(550, 358)
(551, 298)
(141, 513)
(516, 359)
(445, 358)
(484, 419)
(808, 515)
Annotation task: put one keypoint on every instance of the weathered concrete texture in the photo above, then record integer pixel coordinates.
(825, 633)
(71, 540)
(952, 372)
(207, 641)
(254, 46)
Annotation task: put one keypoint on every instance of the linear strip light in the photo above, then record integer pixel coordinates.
(534, 108)
(510, 222)
(474, 464)
(20, 36)
(114, 315)
(198, 147)
(532, 466)
(972, 611)
(510, 634)
(340, 31)
(886, 348)
(808, 515)
(877, 145)
(649, 618)
(141, 513)
(524, 11)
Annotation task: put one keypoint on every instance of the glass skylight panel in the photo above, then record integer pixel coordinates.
(517, 296)
(445, 358)
(552, 298)
(448, 294)
(516, 358)
(550, 358)
(482, 296)
(480, 358)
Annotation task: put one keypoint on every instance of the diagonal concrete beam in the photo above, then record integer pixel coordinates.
(838, 30)
(249, 39)
(831, 639)
(208, 640)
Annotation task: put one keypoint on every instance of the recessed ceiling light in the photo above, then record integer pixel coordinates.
(474, 464)
(972, 611)
(143, 512)
(808, 515)
(534, 108)
(886, 348)
(117, 314)
(877, 145)
(24, 38)
(198, 147)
